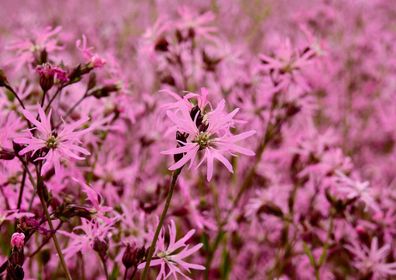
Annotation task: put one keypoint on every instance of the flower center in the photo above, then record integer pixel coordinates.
(203, 140)
(52, 142)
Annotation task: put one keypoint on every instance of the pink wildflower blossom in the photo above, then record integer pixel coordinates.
(170, 257)
(208, 132)
(373, 259)
(83, 237)
(356, 189)
(92, 58)
(57, 145)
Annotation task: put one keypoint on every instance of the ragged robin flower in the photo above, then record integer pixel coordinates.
(208, 132)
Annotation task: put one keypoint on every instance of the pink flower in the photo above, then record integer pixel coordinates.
(286, 67)
(372, 259)
(171, 257)
(97, 202)
(92, 58)
(356, 189)
(57, 145)
(83, 237)
(50, 74)
(208, 132)
(32, 44)
(17, 240)
(198, 23)
(49, 71)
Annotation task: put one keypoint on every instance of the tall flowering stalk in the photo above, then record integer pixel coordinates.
(198, 131)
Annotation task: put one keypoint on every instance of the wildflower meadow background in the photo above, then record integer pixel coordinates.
(199, 139)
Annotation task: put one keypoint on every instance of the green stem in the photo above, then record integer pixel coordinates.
(21, 190)
(104, 263)
(245, 185)
(317, 274)
(43, 98)
(212, 252)
(15, 95)
(40, 187)
(326, 245)
(161, 222)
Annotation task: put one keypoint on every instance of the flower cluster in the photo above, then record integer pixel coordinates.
(197, 139)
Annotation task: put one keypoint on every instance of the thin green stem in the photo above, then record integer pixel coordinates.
(246, 183)
(54, 96)
(134, 273)
(209, 260)
(175, 175)
(43, 98)
(68, 113)
(15, 94)
(323, 256)
(104, 262)
(317, 274)
(21, 189)
(40, 188)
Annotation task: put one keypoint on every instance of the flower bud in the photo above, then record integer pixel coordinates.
(45, 256)
(271, 209)
(129, 257)
(17, 240)
(133, 255)
(161, 45)
(101, 246)
(6, 154)
(17, 257)
(105, 91)
(360, 229)
(3, 79)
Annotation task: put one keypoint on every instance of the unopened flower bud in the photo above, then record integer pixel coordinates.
(161, 45)
(129, 257)
(360, 229)
(271, 209)
(105, 90)
(101, 246)
(6, 154)
(17, 240)
(133, 255)
(3, 79)
(45, 256)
